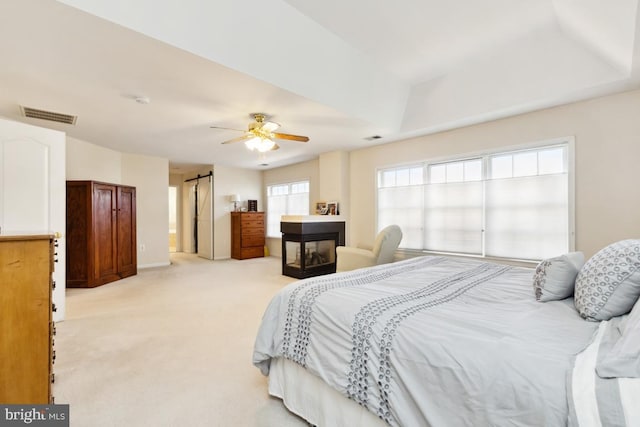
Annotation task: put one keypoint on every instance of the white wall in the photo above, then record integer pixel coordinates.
(309, 170)
(150, 176)
(333, 172)
(86, 161)
(227, 181)
(607, 135)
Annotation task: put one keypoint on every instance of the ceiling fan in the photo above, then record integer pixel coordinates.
(261, 134)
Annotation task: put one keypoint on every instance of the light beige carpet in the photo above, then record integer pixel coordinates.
(171, 346)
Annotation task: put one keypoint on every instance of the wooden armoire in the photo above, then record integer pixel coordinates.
(101, 233)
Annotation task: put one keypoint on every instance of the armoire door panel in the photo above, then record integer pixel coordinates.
(105, 229)
(78, 240)
(127, 260)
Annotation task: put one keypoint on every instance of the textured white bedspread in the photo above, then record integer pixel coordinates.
(431, 341)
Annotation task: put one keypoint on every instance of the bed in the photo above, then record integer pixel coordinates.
(430, 341)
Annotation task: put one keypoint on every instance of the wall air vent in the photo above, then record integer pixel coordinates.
(373, 138)
(35, 113)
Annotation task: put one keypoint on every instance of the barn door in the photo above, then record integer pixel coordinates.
(204, 193)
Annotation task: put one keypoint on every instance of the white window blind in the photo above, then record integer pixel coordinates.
(285, 199)
(401, 202)
(527, 204)
(510, 204)
(453, 207)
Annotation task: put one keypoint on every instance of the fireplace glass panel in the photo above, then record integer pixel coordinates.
(316, 253)
(319, 253)
(293, 258)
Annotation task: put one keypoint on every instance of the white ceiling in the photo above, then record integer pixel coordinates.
(334, 70)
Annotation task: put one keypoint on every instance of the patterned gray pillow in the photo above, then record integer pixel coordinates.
(609, 283)
(554, 278)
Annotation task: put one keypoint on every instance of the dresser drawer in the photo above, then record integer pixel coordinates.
(252, 223)
(254, 252)
(252, 240)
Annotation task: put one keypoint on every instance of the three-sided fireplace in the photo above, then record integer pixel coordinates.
(309, 246)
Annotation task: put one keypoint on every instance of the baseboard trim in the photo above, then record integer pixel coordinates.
(221, 258)
(155, 264)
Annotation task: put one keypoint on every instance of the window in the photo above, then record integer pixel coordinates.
(510, 204)
(285, 199)
(527, 204)
(453, 207)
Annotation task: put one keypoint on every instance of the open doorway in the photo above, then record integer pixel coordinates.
(173, 218)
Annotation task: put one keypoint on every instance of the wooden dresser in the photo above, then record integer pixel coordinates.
(26, 327)
(247, 235)
(101, 233)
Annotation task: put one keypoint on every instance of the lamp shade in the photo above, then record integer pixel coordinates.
(234, 198)
(265, 145)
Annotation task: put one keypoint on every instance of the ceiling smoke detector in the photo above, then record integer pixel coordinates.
(142, 100)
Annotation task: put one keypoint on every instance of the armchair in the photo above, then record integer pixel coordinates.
(384, 247)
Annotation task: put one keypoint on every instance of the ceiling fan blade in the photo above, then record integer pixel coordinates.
(289, 137)
(270, 126)
(220, 127)
(238, 139)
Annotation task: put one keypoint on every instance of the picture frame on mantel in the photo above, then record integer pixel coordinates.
(332, 208)
(321, 208)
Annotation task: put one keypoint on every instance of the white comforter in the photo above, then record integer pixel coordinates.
(602, 402)
(431, 341)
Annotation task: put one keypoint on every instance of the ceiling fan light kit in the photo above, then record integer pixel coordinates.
(260, 144)
(260, 135)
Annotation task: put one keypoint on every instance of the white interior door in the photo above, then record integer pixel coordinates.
(32, 189)
(205, 217)
(25, 177)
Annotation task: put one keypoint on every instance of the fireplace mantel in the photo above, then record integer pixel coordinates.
(311, 218)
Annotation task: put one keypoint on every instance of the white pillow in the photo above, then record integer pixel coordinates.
(554, 278)
(609, 283)
(624, 358)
